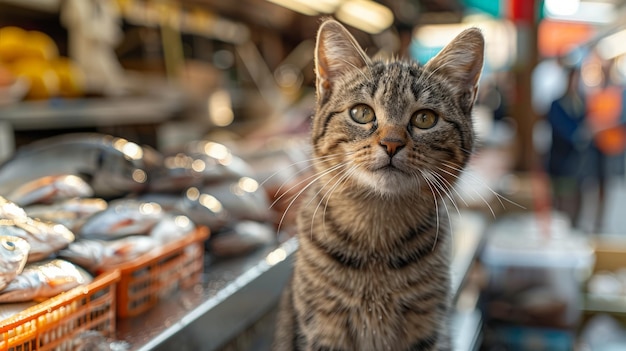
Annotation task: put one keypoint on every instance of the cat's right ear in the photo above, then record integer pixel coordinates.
(336, 52)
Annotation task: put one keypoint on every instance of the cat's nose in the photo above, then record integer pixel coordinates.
(392, 145)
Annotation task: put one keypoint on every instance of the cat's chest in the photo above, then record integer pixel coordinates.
(379, 326)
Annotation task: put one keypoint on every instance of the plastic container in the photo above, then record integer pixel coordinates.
(56, 322)
(537, 267)
(147, 279)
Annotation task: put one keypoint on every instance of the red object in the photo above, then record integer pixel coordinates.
(522, 11)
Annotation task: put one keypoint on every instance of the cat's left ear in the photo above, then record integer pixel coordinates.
(461, 61)
(336, 53)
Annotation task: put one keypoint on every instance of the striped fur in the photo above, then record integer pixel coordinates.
(372, 270)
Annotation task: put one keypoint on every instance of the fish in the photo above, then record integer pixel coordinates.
(72, 213)
(44, 238)
(13, 256)
(112, 166)
(243, 199)
(99, 255)
(49, 189)
(121, 218)
(220, 204)
(10, 210)
(241, 238)
(44, 279)
(202, 209)
(172, 227)
(8, 310)
(196, 163)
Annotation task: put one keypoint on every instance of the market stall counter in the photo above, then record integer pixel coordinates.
(236, 294)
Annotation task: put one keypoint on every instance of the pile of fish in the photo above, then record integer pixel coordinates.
(111, 166)
(27, 273)
(75, 205)
(105, 188)
(40, 258)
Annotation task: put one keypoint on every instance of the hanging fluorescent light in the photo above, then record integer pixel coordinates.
(309, 8)
(323, 6)
(500, 39)
(366, 15)
(581, 11)
(297, 6)
(562, 8)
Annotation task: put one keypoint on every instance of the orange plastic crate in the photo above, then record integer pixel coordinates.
(145, 280)
(54, 323)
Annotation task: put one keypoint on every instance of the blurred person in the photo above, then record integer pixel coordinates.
(607, 120)
(572, 154)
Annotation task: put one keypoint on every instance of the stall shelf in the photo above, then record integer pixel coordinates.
(74, 113)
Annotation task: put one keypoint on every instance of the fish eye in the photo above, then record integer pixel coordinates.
(362, 114)
(9, 245)
(424, 119)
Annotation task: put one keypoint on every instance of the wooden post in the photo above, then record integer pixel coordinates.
(524, 15)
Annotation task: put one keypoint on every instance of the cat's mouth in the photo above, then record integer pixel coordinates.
(389, 168)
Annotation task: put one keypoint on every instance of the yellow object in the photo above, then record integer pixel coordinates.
(71, 79)
(40, 45)
(44, 81)
(34, 55)
(17, 43)
(12, 41)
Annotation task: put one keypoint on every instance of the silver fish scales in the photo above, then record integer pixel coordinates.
(44, 238)
(13, 256)
(112, 166)
(44, 279)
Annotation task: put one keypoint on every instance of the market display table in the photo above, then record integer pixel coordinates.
(235, 294)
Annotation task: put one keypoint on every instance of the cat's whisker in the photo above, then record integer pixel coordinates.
(310, 163)
(345, 177)
(311, 179)
(473, 189)
(279, 198)
(450, 186)
(444, 185)
(441, 183)
(482, 182)
(295, 197)
(340, 175)
(446, 189)
(443, 191)
(426, 176)
(313, 162)
(466, 151)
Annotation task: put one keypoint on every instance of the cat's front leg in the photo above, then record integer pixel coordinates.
(327, 336)
(285, 335)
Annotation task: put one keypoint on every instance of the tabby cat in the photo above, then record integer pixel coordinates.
(389, 141)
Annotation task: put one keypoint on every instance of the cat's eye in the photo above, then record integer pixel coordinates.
(424, 119)
(362, 113)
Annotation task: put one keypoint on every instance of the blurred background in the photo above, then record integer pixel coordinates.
(538, 218)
